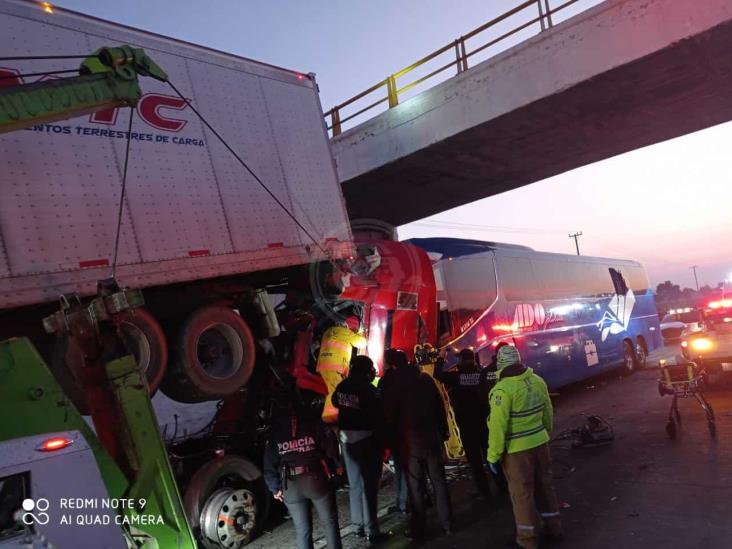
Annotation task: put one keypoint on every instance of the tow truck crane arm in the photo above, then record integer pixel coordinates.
(107, 79)
(129, 450)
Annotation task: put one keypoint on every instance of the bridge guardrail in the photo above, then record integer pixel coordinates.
(462, 55)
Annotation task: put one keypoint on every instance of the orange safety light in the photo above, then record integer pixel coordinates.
(54, 443)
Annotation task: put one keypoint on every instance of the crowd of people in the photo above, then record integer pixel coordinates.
(504, 417)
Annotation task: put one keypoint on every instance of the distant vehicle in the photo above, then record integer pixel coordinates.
(571, 316)
(679, 322)
(711, 347)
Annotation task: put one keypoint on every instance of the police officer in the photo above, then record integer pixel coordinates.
(415, 406)
(520, 422)
(298, 460)
(359, 418)
(466, 385)
(336, 349)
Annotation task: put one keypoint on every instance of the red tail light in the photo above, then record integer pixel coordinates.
(54, 443)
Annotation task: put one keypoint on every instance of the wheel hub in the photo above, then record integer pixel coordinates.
(228, 518)
(220, 351)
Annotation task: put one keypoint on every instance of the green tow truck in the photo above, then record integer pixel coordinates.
(68, 484)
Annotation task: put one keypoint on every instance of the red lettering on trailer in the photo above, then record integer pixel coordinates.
(94, 263)
(149, 109)
(198, 253)
(276, 245)
(108, 116)
(9, 77)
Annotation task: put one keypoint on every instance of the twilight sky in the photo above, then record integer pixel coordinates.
(676, 196)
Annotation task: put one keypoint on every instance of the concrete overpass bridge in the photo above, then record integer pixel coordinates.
(619, 76)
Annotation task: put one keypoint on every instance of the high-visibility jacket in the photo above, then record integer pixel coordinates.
(336, 347)
(521, 414)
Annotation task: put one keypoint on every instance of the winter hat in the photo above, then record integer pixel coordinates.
(507, 355)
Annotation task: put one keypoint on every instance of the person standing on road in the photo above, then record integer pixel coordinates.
(336, 350)
(466, 385)
(360, 416)
(298, 458)
(394, 359)
(415, 406)
(521, 420)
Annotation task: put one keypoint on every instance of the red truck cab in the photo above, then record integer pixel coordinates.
(395, 284)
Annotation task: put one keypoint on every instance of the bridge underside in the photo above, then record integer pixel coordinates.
(682, 88)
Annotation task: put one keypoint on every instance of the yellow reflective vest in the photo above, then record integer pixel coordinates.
(521, 414)
(336, 349)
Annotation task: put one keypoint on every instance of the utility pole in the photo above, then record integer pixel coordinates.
(693, 268)
(576, 241)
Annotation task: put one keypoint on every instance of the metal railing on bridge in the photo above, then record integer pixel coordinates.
(391, 84)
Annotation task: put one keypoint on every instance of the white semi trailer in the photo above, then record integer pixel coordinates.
(202, 237)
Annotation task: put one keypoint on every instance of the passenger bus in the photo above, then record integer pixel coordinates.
(570, 316)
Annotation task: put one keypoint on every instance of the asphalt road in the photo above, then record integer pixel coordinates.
(644, 490)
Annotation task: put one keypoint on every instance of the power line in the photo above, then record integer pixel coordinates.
(576, 240)
(40, 57)
(478, 227)
(44, 73)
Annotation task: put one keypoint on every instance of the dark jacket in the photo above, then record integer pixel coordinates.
(297, 438)
(386, 381)
(414, 406)
(388, 429)
(468, 389)
(358, 403)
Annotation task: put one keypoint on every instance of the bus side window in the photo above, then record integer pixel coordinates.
(621, 288)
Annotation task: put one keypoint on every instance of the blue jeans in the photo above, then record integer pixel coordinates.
(362, 467)
(400, 483)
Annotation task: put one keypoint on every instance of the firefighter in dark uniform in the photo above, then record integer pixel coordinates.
(299, 457)
(359, 420)
(415, 406)
(468, 389)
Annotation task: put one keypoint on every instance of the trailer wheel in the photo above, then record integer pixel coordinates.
(216, 353)
(226, 502)
(144, 338)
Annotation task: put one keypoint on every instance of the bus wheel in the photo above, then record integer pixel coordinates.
(226, 502)
(216, 353)
(629, 358)
(641, 352)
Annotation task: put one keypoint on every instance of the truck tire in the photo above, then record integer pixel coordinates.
(630, 361)
(226, 502)
(144, 338)
(641, 352)
(215, 356)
